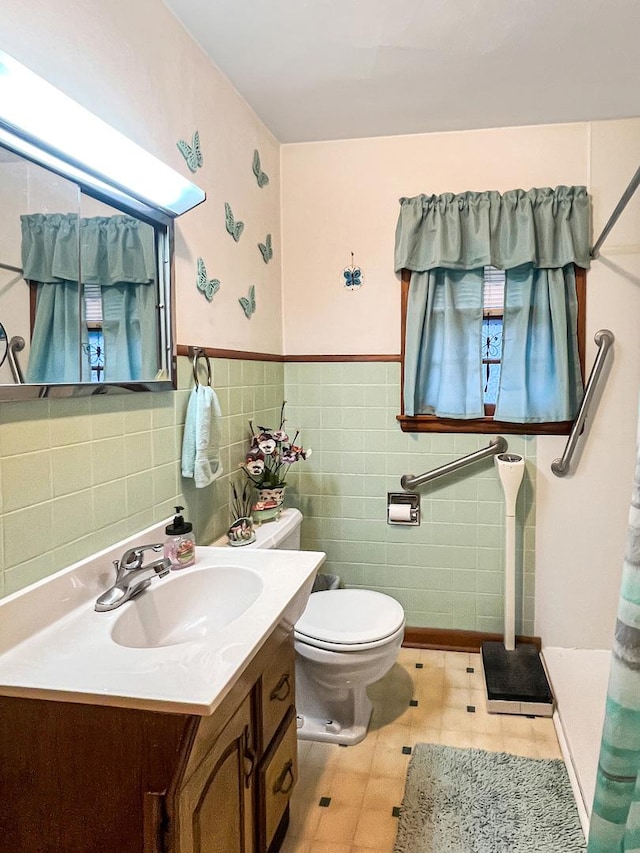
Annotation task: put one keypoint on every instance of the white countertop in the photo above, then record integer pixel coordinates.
(54, 645)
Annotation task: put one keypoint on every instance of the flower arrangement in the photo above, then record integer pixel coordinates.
(271, 454)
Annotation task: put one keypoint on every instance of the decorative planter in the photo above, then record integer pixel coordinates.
(266, 495)
(269, 505)
(241, 532)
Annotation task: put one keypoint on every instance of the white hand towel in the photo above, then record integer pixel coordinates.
(201, 441)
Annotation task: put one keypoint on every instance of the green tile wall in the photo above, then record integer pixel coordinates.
(77, 475)
(447, 573)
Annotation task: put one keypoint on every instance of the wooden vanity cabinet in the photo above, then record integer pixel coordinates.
(85, 778)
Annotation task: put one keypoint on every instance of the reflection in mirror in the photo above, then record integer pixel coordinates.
(4, 343)
(79, 281)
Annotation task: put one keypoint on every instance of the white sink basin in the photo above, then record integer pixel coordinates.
(187, 607)
(178, 648)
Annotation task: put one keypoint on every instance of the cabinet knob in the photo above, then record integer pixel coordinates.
(284, 782)
(282, 689)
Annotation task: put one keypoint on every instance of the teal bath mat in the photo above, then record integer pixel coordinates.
(472, 801)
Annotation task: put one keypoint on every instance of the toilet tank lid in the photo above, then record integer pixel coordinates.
(350, 616)
(271, 534)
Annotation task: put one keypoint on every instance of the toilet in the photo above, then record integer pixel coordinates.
(345, 640)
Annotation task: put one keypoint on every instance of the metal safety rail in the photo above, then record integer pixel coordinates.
(16, 344)
(409, 482)
(604, 340)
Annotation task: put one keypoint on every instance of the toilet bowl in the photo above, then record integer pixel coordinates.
(345, 640)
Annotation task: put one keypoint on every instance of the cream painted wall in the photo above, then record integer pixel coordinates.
(340, 197)
(133, 65)
(582, 519)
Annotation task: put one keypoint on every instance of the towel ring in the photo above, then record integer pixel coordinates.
(200, 353)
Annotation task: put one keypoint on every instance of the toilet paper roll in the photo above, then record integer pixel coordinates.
(399, 512)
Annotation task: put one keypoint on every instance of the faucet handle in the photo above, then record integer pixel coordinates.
(134, 557)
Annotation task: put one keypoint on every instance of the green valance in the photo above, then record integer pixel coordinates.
(548, 228)
(113, 249)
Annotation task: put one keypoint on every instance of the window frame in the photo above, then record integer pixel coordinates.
(487, 424)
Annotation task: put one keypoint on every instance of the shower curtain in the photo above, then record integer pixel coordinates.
(615, 817)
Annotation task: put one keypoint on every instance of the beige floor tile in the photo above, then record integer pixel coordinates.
(456, 719)
(303, 819)
(389, 762)
(526, 747)
(383, 793)
(358, 758)
(347, 788)
(544, 728)
(338, 824)
(456, 660)
(489, 742)
(367, 780)
(484, 723)
(422, 734)
(457, 697)
(395, 737)
(292, 844)
(454, 677)
(329, 847)
(376, 829)
(322, 754)
(547, 748)
(432, 657)
(463, 740)
(516, 726)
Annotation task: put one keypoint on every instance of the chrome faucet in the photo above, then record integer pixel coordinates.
(133, 576)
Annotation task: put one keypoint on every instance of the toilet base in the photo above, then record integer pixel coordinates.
(329, 731)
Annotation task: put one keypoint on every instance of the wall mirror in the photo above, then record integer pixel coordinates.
(85, 261)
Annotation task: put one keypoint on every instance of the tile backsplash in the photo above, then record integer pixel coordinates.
(79, 474)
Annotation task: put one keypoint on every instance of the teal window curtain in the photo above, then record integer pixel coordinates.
(615, 816)
(50, 258)
(536, 236)
(118, 254)
(444, 322)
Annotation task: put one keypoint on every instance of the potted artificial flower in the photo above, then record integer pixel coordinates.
(271, 454)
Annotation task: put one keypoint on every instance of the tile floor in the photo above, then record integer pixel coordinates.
(346, 796)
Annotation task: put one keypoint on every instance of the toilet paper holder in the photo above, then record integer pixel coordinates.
(403, 508)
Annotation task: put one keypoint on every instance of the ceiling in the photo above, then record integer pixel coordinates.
(339, 69)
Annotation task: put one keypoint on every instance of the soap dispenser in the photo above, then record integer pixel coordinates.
(180, 544)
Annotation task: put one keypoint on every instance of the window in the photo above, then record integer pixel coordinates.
(493, 310)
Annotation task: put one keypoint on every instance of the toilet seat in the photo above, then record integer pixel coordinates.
(349, 620)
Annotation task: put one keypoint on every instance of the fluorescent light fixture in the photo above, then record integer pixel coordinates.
(71, 140)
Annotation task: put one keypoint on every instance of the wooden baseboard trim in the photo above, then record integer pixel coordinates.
(213, 352)
(448, 640)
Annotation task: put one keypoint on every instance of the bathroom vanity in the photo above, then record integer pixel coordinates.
(206, 764)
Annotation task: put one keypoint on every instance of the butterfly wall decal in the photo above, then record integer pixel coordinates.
(353, 277)
(234, 228)
(261, 177)
(191, 153)
(249, 302)
(265, 249)
(208, 286)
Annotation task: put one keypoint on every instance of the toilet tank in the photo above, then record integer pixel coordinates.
(282, 533)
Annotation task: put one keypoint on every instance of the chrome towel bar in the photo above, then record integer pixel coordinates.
(409, 482)
(604, 340)
(16, 344)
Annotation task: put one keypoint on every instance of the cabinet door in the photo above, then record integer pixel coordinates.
(277, 690)
(277, 775)
(215, 805)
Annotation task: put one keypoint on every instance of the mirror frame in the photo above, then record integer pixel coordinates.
(128, 200)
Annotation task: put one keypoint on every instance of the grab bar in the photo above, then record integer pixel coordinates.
(604, 340)
(409, 482)
(16, 344)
